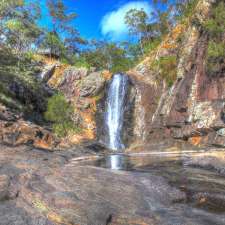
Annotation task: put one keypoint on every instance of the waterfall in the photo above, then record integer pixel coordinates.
(115, 110)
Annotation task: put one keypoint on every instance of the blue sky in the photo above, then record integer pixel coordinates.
(101, 19)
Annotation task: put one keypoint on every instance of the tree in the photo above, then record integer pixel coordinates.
(137, 22)
(18, 25)
(162, 25)
(62, 31)
(95, 55)
(110, 56)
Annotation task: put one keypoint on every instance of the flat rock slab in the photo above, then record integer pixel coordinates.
(41, 188)
(89, 195)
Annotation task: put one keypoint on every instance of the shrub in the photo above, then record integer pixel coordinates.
(215, 57)
(151, 45)
(82, 62)
(167, 66)
(59, 111)
(215, 25)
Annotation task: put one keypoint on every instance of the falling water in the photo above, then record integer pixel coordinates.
(115, 110)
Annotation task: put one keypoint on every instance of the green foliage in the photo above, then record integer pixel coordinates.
(63, 27)
(55, 45)
(185, 8)
(215, 28)
(152, 45)
(216, 50)
(215, 57)
(82, 62)
(167, 66)
(110, 56)
(59, 111)
(19, 24)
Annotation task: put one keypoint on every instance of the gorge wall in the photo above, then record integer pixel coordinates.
(188, 109)
(192, 109)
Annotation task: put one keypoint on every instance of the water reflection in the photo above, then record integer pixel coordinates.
(203, 187)
(115, 162)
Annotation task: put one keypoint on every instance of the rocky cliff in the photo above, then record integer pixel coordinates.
(172, 97)
(191, 110)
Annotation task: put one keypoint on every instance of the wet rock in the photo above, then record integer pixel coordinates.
(53, 188)
(87, 195)
(211, 161)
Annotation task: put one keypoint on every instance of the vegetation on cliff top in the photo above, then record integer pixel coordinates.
(215, 29)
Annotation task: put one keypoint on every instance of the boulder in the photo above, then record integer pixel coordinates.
(92, 85)
(21, 132)
(70, 76)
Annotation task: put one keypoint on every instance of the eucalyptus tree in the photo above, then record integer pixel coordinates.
(19, 29)
(62, 37)
(137, 22)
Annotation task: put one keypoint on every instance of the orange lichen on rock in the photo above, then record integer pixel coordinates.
(56, 78)
(106, 74)
(169, 45)
(90, 125)
(177, 31)
(195, 140)
(170, 41)
(45, 143)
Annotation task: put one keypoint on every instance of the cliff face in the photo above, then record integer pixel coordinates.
(163, 110)
(192, 109)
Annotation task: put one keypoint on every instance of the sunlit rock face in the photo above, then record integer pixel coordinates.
(83, 88)
(192, 109)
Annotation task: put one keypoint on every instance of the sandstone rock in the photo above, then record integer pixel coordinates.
(71, 76)
(47, 141)
(92, 85)
(21, 132)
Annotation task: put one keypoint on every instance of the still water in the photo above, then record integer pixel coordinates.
(204, 187)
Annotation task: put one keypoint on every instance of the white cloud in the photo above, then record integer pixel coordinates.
(113, 25)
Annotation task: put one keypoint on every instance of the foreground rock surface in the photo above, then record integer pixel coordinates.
(43, 188)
